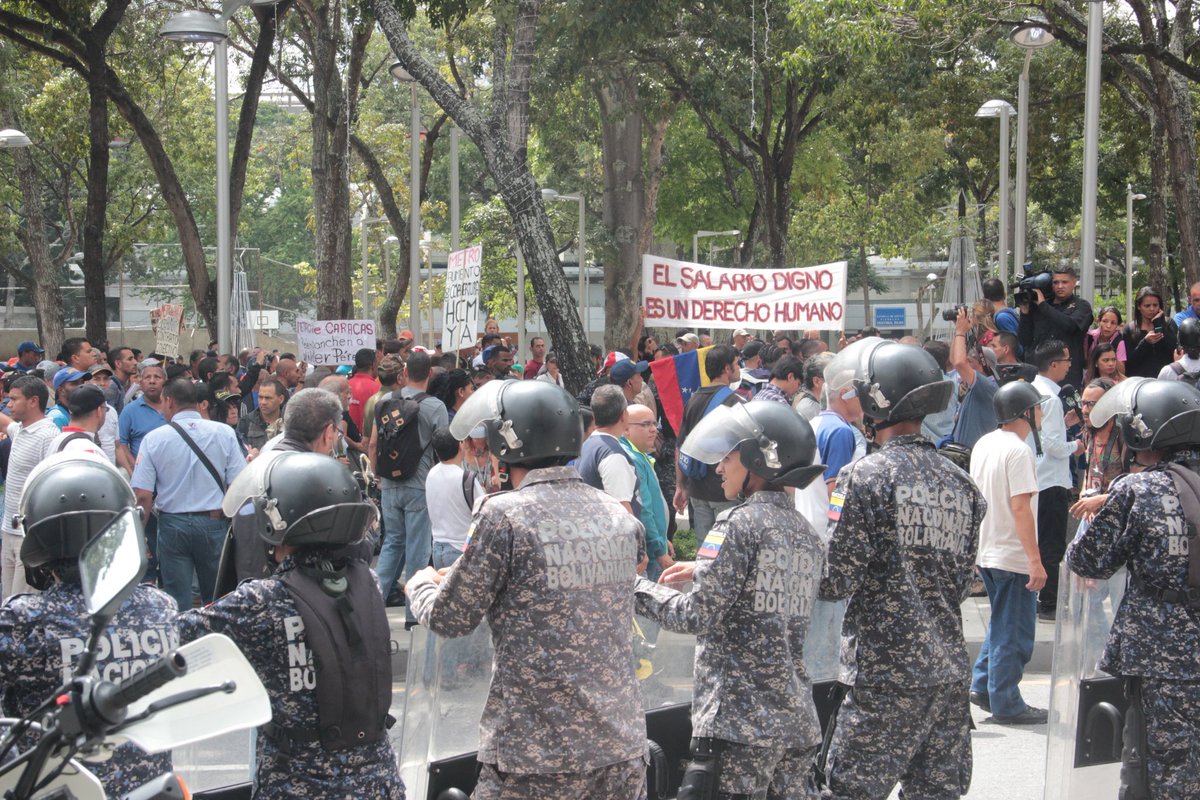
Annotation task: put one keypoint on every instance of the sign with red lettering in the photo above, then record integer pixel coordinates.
(695, 295)
(333, 342)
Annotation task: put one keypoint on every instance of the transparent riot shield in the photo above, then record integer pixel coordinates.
(1083, 750)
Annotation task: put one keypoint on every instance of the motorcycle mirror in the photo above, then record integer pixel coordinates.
(112, 563)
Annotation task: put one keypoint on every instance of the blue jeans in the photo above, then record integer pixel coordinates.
(407, 535)
(187, 544)
(704, 515)
(444, 554)
(1008, 644)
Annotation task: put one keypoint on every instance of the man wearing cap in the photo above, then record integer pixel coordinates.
(65, 381)
(754, 375)
(627, 374)
(687, 342)
(28, 356)
(88, 408)
(740, 337)
(109, 431)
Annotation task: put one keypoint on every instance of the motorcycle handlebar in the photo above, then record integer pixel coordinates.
(155, 676)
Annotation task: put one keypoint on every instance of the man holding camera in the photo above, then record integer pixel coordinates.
(1061, 316)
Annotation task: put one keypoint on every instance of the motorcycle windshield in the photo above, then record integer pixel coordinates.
(851, 364)
(718, 432)
(1117, 400)
(482, 406)
(251, 482)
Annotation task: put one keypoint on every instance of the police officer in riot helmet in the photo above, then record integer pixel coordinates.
(549, 564)
(68, 499)
(904, 525)
(1149, 524)
(1019, 400)
(754, 584)
(316, 632)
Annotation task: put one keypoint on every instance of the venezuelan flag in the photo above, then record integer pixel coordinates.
(677, 377)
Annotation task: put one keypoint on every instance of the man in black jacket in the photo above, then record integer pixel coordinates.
(1063, 316)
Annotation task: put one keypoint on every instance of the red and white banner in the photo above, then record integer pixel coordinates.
(699, 296)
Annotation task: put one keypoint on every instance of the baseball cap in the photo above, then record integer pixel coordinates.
(344, 369)
(406, 334)
(690, 338)
(625, 369)
(224, 395)
(752, 349)
(29, 346)
(85, 399)
(149, 362)
(610, 361)
(488, 352)
(68, 374)
(389, 367)
(742, 332)
(48, 368)
(97, 368)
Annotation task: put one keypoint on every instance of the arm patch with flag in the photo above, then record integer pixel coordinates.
(836, 501)
(712, 544)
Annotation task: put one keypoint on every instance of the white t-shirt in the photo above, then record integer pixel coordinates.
(1002, 465)
(449, 514)
(78, 444)
(1190, 367)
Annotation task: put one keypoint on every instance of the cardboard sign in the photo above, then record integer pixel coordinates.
(333, 342)
(679, 293)
(460, 309)
(167, 321)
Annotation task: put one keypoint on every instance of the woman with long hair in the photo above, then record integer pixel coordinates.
(452, 388)
(985, 322)
(1150, 336)
(1103, 363)
(1107, 331)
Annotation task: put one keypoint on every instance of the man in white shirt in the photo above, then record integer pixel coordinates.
(457, 492)
(88, 410)
(32, 434)
(603, 462)
(1010, 564)
(1187, 367)
(1053, 361)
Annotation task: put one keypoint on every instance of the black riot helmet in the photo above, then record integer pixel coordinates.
(894, 381)
(68, 499)
(1017, 400)
(1157, 415)
(772, 441)
(301, 499)
(1189, 336)
(527, 422)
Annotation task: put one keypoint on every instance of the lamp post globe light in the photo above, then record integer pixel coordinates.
(1031, 35)
(203, 27)
(1004, 111)
(414, 199)
(11, 139)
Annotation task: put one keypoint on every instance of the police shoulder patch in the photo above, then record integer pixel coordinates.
(836, 501)
(712, 544)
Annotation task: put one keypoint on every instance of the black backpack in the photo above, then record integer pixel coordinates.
(399, 450)
(1190, 378)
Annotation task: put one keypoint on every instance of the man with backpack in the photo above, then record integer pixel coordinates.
(87, 407)
(401, 456)
(1187, 367)
(694, 480)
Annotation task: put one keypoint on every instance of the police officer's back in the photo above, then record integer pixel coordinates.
(316, 633)
(550, 565)
(69, 498)
(755, 580)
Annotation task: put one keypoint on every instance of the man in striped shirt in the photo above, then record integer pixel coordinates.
(32, 434)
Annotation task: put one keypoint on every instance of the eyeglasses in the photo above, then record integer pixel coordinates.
(1087, 403)
(650, 424)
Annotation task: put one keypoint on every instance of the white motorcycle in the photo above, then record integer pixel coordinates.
(153, 709)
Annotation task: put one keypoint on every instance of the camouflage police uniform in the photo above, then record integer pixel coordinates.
(1142, 525)
(755, 582)
(262, 618)
(904, 528)
(550, 565)
(43, 636)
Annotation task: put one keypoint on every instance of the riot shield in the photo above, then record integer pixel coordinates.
(1083, 749)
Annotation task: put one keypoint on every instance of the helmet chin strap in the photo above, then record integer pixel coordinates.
(1037, 439)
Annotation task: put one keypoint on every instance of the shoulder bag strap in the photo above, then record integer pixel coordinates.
(208, 465)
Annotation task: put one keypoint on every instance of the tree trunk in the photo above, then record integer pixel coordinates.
(47, 302)
(1174, 108)
(624, 204)
(260, 62)
(94, 303)
(654, 157)
(399, 224)
(1159, 187)
(506, 164)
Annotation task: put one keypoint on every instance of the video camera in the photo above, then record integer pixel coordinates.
(951, 314)
(1042, 282)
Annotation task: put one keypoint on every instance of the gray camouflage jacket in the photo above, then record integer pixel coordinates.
(753, 589)
(550, 566)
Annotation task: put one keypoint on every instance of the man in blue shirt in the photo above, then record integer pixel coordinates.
(185, 490)
(1006, 318)
(836, 440)
(66, 380)
(144, 414)
(28, 356)
(1193, 309)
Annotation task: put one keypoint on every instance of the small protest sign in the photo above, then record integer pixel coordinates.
(167, 320)
(332, 342)
(460, 310)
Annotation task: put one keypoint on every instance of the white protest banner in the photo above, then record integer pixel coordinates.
(695, 295)
(332, 342)
(460, 310)
(167, 320)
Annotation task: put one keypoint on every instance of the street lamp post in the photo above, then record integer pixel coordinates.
(201, 26)
(414, 206)
(1031, 37)
(1091, 149)
(1003, 110)
(1130, 196)
(698, 235)
(584, 288)
(11, 139)
(930, 280)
